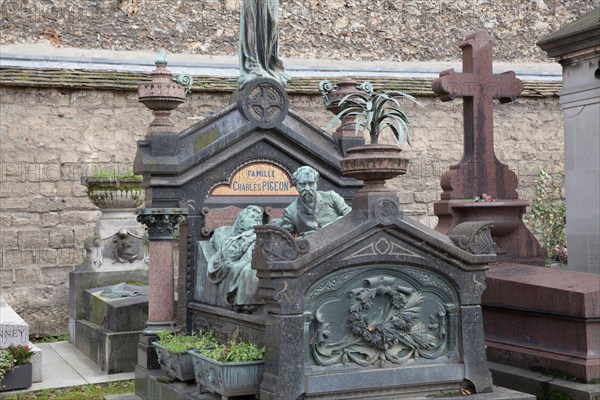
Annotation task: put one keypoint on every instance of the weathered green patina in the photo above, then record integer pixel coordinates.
(313, 209)
(259, 42)
(229, 255)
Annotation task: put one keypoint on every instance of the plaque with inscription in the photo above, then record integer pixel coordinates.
(257, 179)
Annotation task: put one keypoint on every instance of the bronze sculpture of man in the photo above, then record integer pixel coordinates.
(314, 209)
(259, 42)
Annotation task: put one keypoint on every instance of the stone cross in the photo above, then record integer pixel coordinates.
(479, 171)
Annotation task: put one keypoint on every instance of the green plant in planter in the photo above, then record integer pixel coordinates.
(548, 217)
(21, 354)
(15, 367)
(233, 352)
(375, 112)
(109, 173)
(7, 362)
(172, 351)
(180, 343)
(230, 369)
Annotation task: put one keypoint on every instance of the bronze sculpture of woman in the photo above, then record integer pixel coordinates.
(259, 42)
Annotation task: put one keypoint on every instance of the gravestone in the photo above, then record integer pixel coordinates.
(243, 155)
(479, 173)
(15, 331)
(116, 252)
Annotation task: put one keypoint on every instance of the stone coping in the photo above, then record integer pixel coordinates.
(129, 81)
(37, 65)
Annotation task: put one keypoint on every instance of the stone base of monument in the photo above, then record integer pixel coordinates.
(83, 278)
(543, 386)
(110, 331)
(157, 386)
(549, 322)
(514, 242)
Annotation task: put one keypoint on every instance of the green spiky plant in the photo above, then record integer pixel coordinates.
(376, 112)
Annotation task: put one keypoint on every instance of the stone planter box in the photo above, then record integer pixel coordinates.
(227, 379)
(114, 193)
(177, 365)
(18, 378)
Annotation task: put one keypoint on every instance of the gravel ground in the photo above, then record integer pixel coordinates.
(362, 30)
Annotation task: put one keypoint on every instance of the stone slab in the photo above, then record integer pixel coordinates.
(113, 352)
(524, 307)
(13, 329)
(82, 278)
(536, 383)
(120, 314)
(546, 290)
(380, 378)
(36, 362)
(124, 396)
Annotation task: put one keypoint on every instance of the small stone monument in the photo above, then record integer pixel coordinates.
(116, 252)
(15, 331)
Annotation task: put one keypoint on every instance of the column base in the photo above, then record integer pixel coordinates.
(153, 327)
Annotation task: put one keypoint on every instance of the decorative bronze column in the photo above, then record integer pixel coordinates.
(163, 228)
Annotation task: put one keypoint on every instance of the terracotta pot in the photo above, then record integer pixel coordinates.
(374, 164)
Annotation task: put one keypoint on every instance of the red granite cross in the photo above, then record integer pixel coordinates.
(479, 171)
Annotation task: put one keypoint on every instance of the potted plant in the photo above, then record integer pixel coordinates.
(232, 369)
(376, 112)
(172, 351)
(15, 367)
(110, 189)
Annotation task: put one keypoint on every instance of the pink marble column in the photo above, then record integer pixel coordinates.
(162, 224)
(161, 281)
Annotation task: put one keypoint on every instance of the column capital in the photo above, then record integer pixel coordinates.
(162, 223)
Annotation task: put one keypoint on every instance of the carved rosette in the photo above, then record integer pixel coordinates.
(162, 223)
(263, 101)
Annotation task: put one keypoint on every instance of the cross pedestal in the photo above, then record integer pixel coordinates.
(479, 171)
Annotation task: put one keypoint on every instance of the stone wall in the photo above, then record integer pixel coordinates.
(50, 138)
(390, 30)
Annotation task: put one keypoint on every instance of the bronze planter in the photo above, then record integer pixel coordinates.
(177, 365)
(374, 164)
(227, 379)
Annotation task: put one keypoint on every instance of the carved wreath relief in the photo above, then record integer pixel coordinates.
(378, 319)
